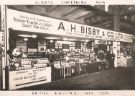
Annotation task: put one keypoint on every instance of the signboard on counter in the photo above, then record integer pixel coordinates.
(29, 77)
(36, 23)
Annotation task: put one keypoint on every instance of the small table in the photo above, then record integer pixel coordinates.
(66, 71)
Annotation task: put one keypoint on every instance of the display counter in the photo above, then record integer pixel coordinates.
(64, 69)
(125, 61)
(97, 66)
(129, 61)
(28, 72)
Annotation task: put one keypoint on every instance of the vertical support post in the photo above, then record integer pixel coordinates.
(115, 53)
(106, 8)
(116, 27)
(5, 61)
(118, 52)
(92, 46)
(108, 46)
(3, 30)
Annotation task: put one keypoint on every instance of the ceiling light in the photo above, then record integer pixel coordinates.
(34, 36)
(24, 35)
(85, 40)
(51, 41)
(72, 40)
(65, 39)
(51, 38)
(109, 42)
(25, 39)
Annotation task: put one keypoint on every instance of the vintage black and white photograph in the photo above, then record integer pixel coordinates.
(67, 47)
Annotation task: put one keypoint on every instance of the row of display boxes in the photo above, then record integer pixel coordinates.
(31, 61)
(21, 64)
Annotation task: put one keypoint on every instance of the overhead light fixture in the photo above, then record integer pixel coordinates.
(85, 40)
(25, 39)
(96, 41)
(34, 36)
(24, 35)
(109, 42)
(65, 39)
(72, 39)
(51, 41)
(51, 38)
